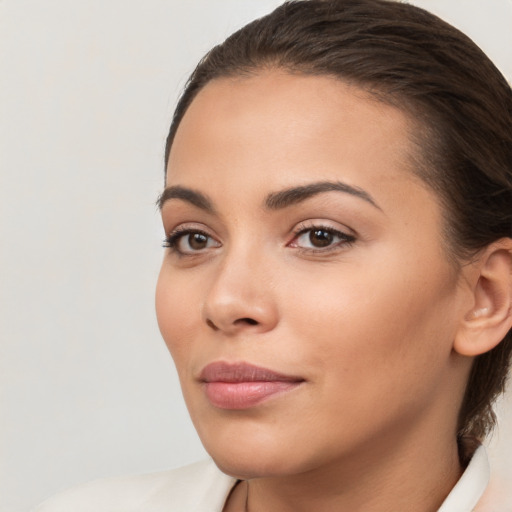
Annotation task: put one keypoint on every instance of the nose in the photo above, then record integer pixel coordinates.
(241, 298)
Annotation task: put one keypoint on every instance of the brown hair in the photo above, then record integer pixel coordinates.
(409, 58)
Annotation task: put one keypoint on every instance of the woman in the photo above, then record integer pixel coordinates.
(336, 290)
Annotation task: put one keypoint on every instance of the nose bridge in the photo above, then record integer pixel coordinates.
(241, 294)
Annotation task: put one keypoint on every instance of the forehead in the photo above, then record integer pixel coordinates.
(282, 129)
(247, 138)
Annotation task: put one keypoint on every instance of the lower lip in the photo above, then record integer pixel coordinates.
(243, 395)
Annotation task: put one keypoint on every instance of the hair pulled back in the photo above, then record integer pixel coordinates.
(460, 104)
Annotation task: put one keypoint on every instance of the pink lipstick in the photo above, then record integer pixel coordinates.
(242, 385)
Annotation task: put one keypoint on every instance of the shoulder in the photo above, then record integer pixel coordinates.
(199, 487)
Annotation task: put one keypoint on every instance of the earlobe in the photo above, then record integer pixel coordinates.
(490, 318)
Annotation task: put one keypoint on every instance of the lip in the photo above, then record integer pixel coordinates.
(242, 385)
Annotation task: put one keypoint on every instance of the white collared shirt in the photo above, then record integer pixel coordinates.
(202, 487)
(468, 490)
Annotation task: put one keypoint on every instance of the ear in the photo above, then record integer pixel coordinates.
(489, 319)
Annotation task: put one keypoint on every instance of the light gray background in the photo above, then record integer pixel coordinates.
(87, 388)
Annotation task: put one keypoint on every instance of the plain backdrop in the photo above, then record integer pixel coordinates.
(87, 90)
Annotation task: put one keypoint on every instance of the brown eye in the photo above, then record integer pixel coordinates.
(187, 242)
(197, 241)
(194, 241)
(320, 238)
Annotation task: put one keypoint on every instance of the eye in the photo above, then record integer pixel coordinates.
(189, 241)
(318, 238)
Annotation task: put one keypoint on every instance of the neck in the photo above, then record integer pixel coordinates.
(411, 476)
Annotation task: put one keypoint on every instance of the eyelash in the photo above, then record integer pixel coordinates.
(346, 240)
(172, 240)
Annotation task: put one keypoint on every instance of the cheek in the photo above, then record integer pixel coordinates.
(377, 355)
(376, 325)
(176, 311)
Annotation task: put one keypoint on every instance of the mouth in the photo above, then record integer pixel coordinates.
(242, 385)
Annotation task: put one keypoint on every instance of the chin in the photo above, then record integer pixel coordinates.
(246, 466)
(244, 457)
(258, 453)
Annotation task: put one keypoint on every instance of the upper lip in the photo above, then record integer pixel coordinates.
(242, 372)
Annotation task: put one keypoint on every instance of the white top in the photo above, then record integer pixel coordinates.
(201, 487)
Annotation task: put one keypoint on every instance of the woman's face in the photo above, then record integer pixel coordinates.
(306, 298)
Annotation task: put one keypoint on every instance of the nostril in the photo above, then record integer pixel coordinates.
(249, 321)
(209, 323)
(239, 322)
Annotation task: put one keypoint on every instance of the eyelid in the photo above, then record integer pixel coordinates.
(182, 227)
(174, 237)
(326, 224)
(346, 235)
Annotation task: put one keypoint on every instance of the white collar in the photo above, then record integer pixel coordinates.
(463, 497)
(471, 485)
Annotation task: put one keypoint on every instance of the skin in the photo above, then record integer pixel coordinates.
(369, 325)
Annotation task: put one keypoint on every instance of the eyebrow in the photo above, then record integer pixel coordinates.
(186, 194)
(292, 196)
(274, 201)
